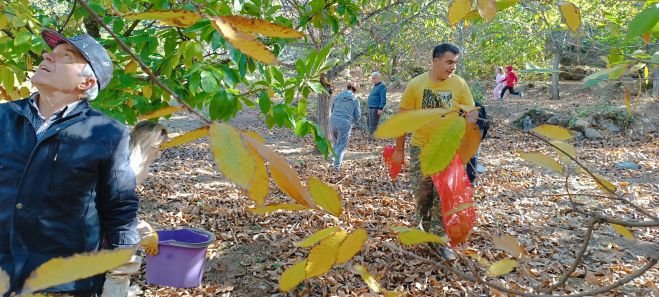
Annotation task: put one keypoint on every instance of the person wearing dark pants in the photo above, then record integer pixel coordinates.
(510, 81)
(484, 125)
(376, 102)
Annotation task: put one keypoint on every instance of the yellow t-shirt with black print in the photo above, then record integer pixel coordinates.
(422, 92)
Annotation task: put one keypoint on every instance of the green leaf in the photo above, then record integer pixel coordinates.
(317, 87)
(230, 74)
(596, 78)
(264, 103)
(208, 82)
(440, 150)
(504, 4)
(644, 21)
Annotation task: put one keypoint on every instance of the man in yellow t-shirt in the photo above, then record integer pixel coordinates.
(437, 88)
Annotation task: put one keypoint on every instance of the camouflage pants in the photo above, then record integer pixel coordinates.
(424, 191)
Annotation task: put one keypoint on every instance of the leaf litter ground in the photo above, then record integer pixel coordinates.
(251, 251)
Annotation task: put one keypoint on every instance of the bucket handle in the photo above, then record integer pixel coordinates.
(211, 238)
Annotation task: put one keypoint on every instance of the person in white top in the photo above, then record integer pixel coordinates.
(501, 76)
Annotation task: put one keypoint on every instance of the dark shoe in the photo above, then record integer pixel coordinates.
(446, 253)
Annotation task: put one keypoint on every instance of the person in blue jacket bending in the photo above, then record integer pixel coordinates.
(344, 114)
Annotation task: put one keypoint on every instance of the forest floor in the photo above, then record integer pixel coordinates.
(513, 197)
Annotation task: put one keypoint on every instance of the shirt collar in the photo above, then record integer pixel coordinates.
(62, 112)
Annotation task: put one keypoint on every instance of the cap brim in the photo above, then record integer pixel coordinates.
(53, 38)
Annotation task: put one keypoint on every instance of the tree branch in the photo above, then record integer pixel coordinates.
(144, 67)
(66, 22)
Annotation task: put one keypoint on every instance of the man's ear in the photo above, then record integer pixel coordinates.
(87, 84)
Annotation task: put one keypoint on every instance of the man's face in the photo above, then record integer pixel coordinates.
(375, 80)
(445, 65)
(60, 71)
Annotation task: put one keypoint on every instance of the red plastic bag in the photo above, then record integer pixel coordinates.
(394, 169)
(458, 208)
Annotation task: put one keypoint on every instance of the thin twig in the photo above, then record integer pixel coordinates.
(597, 180)
(472, 278)
(146, 69)
(577, 260)
(73, 9)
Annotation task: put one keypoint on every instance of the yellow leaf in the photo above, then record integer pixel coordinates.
(508, 244)
(487, 9)
(161, 112)
(178, 18)
(59, 271)
(322, 257)
(409, 236)
(318, 236)
(131, 67)
(406, 122)
(628, 100)
(470, 143)
(4, 282)
(571, 15)
(370, 281)
(147, 92)
(474, 255)
(185, 138)
(325, 196)
(252, 25)
(566, 147)
(351, 246)
(255, 136)
(608, 187)
(3, 21)
(232, 157)
(501, 267)
(646, 74)
(274, 207)
(24, 92)
(393, 294)
(623, 231)
(458, 10)
(258, 188)
(292, 276)
(282, 173)
(442, 145)
(245, 43)
(553, 132)
(542, 161)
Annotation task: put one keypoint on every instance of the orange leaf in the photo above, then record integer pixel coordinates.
(470, 143)
(282, 173)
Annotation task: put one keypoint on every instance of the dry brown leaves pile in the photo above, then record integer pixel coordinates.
(251, 251)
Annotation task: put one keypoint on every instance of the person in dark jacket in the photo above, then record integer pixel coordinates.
(66, 186)
(377, 99)
(345, 113)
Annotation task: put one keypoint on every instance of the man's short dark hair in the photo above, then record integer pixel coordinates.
(439, 50)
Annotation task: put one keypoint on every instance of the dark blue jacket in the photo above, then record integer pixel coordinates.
(378, 96)
(65, 194)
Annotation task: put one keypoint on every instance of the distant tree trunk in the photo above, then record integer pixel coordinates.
(655, 83)
(554, 76)
(324, 105)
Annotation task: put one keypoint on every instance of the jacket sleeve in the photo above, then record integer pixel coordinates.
(116, 198)
(357, 112)
(383, 96)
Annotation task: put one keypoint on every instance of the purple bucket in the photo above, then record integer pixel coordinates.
(180, 259)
